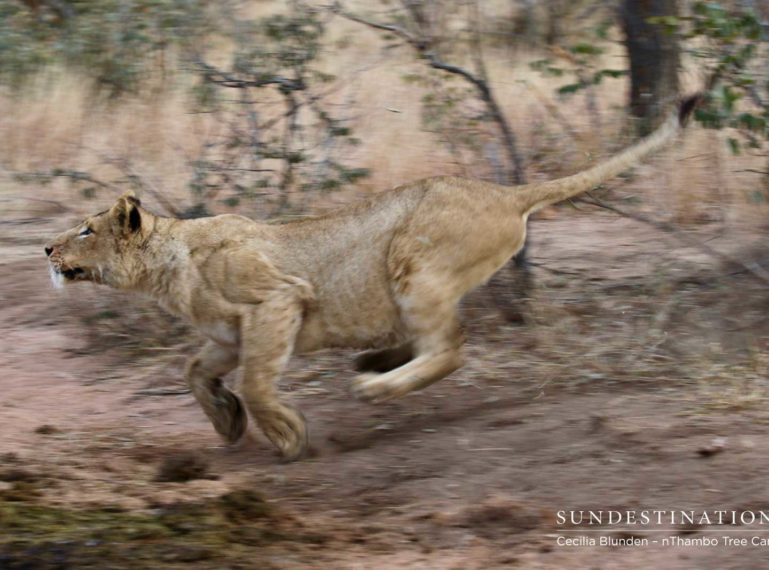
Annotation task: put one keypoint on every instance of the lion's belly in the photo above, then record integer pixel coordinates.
(345, 260)
(358, 315)
(319, 331)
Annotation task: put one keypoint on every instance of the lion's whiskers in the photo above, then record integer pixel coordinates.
(56, 278)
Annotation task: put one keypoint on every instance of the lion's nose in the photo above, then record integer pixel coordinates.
(48, 251)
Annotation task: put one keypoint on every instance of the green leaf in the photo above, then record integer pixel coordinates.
(570, 88)
(340, 131)
(586, 49)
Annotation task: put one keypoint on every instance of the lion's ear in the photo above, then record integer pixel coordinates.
(125, 213)
(131, 196)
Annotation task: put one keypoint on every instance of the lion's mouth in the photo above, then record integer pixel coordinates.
(61, 275)
(73, 273)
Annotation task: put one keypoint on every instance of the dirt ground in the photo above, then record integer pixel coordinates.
(637, 384)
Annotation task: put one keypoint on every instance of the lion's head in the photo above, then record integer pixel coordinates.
(100, 249)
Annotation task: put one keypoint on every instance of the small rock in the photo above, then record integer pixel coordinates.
(747, 443)
(46, 429)
(716, 445)
(181, 467)
(496, 517)
(9, 457)
(13, 475)
(598, 421)
(21, 491)
(244, 504)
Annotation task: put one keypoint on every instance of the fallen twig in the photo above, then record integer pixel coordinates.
(554, 271)
(162, 392)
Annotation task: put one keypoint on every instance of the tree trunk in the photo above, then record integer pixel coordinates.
(554, 33)
(654, 60)
(528, 22)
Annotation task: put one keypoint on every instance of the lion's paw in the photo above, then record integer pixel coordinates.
(376, 388)
(286, 428)
(230, 419)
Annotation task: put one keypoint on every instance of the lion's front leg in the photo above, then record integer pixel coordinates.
(222, 407)
(268, 331)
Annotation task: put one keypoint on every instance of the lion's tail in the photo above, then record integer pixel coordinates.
(535, 196)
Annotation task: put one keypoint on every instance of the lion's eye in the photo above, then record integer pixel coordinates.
(85, 232)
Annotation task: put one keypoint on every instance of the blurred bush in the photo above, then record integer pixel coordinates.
(116, 42)
(276, 134)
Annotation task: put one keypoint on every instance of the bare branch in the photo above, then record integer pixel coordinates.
(555, 112)
(424, 49)
(72, 175)
(753, 268)
(225, 79)
(145, 185)
(337, 8)
(56, 203)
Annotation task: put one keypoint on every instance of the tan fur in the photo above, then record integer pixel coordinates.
(387, 272)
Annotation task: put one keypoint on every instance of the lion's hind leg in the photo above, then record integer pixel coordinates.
(222, 407)
(416, 375)
(434, 361)
(431, 320)
(384, 360)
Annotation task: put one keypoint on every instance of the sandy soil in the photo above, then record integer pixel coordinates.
(468, 474)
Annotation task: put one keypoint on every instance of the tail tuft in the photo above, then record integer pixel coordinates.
(687, 107)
